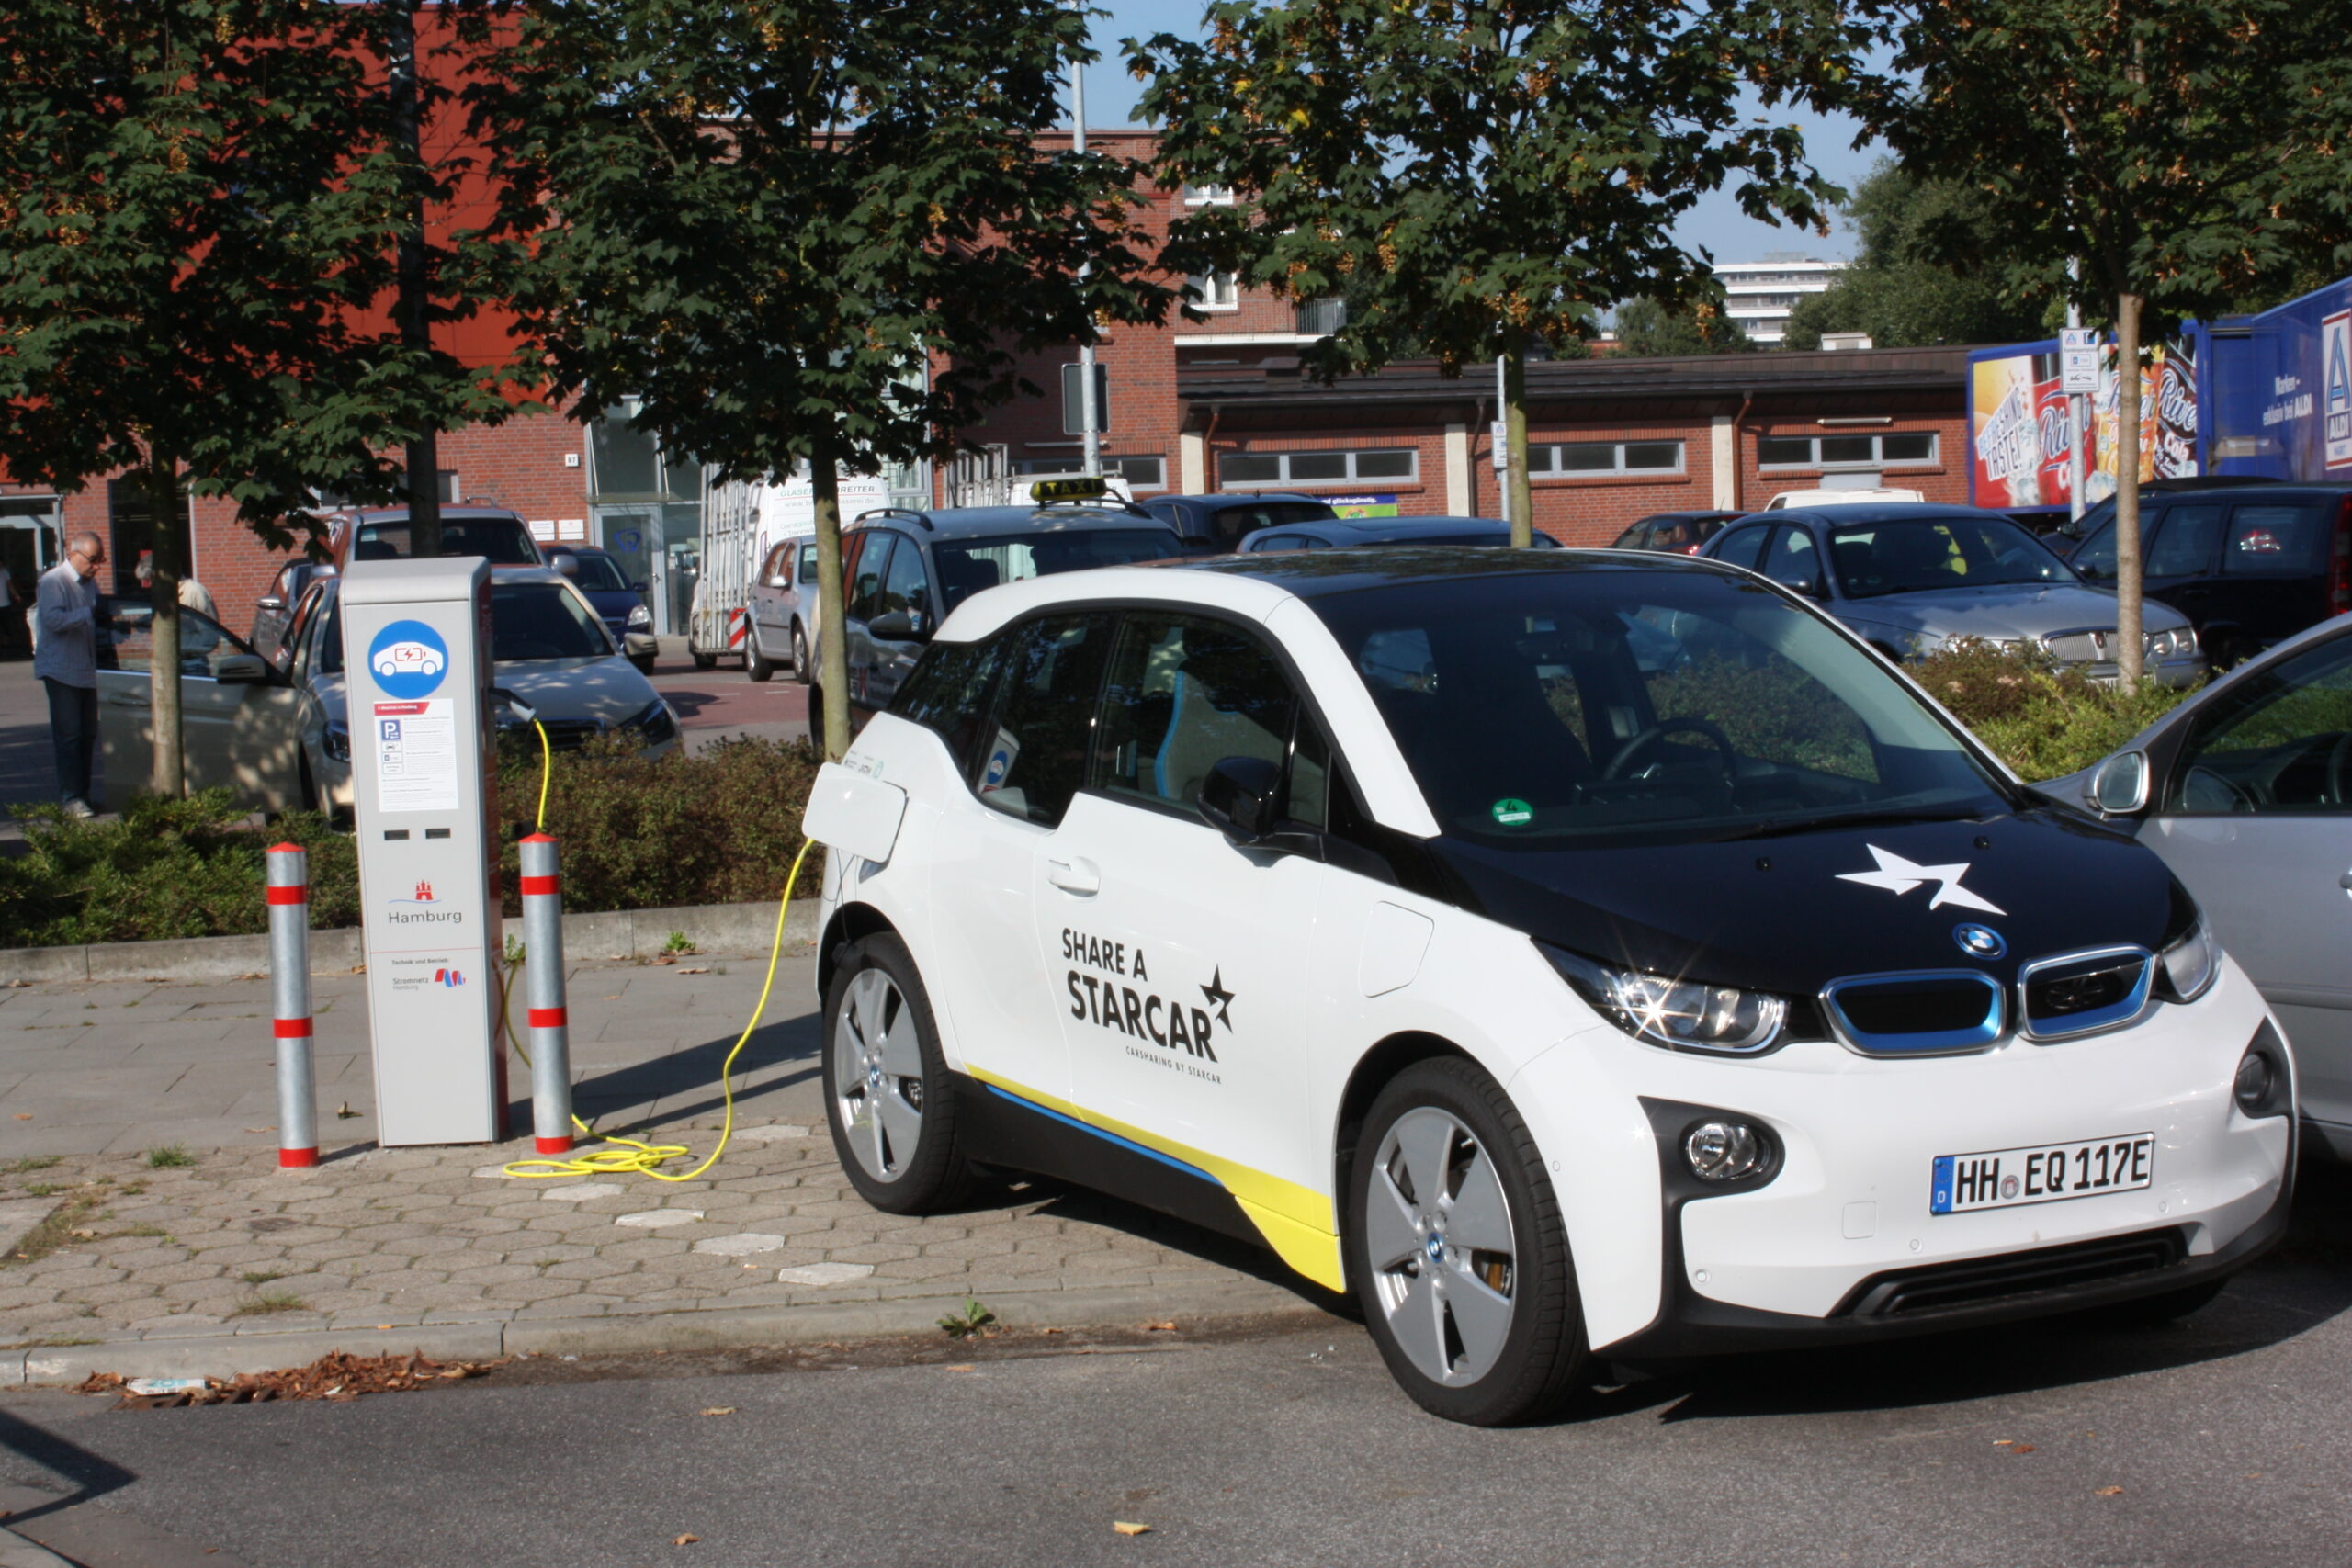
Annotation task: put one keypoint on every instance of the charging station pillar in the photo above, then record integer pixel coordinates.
(550, 1024)
(416, 660)
(290, 994)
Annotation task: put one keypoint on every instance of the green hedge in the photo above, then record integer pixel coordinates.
(2045, 721)
(638, 833)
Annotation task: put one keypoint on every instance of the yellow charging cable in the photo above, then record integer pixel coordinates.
(630, 1156)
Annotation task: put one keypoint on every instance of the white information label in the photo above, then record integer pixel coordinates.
(416, 755)
(1499, 444)
(571, 528)
(2079, 360)
(543, 529)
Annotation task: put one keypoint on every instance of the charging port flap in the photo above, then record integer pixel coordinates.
(855, 813)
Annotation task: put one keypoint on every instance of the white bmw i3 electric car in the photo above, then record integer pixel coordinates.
(1572, 955)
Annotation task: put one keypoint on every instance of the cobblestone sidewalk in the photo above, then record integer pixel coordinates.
(399, 1237)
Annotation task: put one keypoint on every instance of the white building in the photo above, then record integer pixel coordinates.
(1760, 294)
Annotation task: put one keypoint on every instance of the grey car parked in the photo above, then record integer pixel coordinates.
(2245, 791)
(1911, 577)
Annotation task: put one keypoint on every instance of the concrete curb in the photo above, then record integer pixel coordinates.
(226, 1355)
(620, 933)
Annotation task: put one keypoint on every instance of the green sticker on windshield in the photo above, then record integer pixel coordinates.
(1514, 813)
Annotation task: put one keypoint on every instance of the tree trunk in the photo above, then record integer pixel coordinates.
(2129, 647)
(1522, 489)
(168, 777)
(833, 636)
(415, 321)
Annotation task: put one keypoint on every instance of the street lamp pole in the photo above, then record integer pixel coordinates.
(1087, 416)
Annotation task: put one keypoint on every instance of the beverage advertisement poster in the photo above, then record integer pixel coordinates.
(2021, 424)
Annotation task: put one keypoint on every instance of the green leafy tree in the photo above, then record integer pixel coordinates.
(1904, 288)
(777, 214)
(2182, 154)
(1648, 328)
(199, 206)
(1475, 178)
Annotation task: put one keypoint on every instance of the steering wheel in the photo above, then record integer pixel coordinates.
(1664, 728)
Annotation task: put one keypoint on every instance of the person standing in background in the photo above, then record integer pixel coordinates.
(193, 595)
(65, 606)
(12, 618)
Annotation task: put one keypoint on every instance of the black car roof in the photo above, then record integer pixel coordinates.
(1313, 574)
(1874, 512)
(971, 522)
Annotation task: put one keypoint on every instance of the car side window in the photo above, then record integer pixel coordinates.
(2279, 742)
(1670, 536)
(1280, 542)
(861, 579)
(947, 692)
(1184, 693)
(906, 586)
(1742, 546)
(2096, 560)
(294, 651)
(1632, 538)
(1794, 562)
(2184, 543)
(1043, 718)
(773, 567)
(2277, 539)
(129, 641)
(806, 573)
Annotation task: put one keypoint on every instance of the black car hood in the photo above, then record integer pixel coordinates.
(1780, 913)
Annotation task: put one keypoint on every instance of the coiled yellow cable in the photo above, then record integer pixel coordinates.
(626, 1157)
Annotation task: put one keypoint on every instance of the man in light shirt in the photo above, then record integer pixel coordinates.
(65, 608)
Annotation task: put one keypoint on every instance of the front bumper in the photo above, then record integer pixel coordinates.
(2176, 672)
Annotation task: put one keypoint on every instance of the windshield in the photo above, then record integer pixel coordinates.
(1543, 709)
(528, 620)
(967, 566)
(1917, 554)
(502, 541)
(597, 574)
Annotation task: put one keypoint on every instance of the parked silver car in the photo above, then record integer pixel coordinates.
(549, 648)
(1912, 579)
(2245, 791)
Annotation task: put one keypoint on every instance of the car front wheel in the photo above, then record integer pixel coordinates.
(888, 1100)
(1457, 1252)
(799, 654)
(755, 663)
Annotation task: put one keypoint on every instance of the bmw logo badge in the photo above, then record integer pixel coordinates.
(1979, 941)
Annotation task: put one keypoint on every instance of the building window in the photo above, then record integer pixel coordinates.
(1215, 290)
(1579, 459)
(1320, 317)
(1898, 449)
(1208, 196)
(1141, 473)
(1300, 469)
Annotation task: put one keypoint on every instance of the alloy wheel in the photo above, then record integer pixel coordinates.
(877, 1075)
(1439, 1239)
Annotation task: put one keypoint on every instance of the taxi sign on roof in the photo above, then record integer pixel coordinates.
(1082, 488)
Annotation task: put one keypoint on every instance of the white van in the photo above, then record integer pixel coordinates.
(1789, 498)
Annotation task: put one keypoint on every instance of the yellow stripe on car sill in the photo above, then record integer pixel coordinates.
(1294, 1220)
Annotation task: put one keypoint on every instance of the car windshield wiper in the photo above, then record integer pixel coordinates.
(1784, 825)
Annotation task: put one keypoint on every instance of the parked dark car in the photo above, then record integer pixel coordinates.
(1346, 533)
(618, 603)
(274, 610)
(1674, 533)
(2249, 568)
(2063, 533)
(1216, 524)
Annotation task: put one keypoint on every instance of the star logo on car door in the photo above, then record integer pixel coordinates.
(1898, 876)
(1219, 998)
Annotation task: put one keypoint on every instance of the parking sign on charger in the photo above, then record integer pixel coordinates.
(416, 646)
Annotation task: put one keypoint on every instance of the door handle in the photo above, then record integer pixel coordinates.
(1076, 875)
(125, 700)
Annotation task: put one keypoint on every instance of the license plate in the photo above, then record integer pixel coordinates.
(2003, 1178)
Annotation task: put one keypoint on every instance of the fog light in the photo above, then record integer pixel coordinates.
(2255, 1078)
(1723, 1150)
(2262, 1087)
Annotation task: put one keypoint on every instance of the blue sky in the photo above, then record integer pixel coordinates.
(1716, 223)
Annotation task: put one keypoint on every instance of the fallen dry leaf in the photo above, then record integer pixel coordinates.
(1161, 1327)
(614, 997)
(686, 1539)
(717, 1410)
(961, 1367)
(23, 1115)
(2022, 1448)
(1126, 1529)
(2108, 1492)
(1051, 1331)
(693, 969)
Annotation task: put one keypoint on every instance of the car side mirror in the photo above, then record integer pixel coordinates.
(269, 601)
(241, 669)
(2119, 785)
(898, 626)
(640, 588)
(1237, 797)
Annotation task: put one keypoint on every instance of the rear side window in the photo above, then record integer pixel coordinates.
(947, 694)
(863, 576)
(1793, 563)
(1743, 546)
(808, 572)
(2277, 539)
(1035, 752)
(1631, 539)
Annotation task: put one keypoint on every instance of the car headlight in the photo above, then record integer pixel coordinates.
(336, 743)
(639, 615)
(2190, 963)
(2179, 643)
(1681, 1015)
(653, 724)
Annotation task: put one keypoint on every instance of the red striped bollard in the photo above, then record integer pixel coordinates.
(289, 992)
(550, 1025)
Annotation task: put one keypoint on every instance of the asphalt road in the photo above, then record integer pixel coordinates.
(1269, 1445)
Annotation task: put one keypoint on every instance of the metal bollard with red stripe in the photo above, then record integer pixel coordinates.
(550, 1025)
(289, 991)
